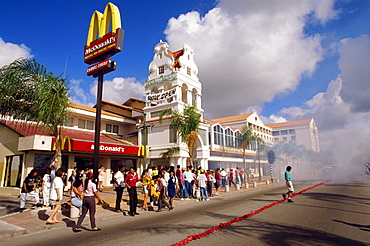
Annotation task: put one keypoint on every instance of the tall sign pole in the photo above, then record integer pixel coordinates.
(101, 45)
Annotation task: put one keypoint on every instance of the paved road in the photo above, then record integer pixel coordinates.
(331, 214)
(9, 204)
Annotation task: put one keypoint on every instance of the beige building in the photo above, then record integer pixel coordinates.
(301, 132)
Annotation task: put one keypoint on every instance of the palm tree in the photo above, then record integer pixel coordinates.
(245, 138)
(28, 92)
(186, 126)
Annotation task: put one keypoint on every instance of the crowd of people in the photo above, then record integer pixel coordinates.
(160, 185)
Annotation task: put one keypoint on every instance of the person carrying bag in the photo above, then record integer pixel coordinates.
(77, 193)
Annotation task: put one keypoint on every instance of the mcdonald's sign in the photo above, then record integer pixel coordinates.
(143, 151)
(100, 44)
(62, 142)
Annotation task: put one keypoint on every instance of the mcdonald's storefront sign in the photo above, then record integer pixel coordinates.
(104, 45)
(67, 144)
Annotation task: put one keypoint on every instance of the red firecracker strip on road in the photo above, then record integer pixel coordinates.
(188, 239)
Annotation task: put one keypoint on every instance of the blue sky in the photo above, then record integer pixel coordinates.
(286, 60)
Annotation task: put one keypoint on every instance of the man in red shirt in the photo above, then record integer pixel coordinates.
(131, 179)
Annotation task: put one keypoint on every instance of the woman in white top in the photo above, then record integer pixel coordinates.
(56, 195)
(101, 175)
(89, 203)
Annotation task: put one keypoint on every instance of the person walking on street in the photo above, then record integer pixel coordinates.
(101, 176)
(203, 185)
(218, 180)
(231, 178)
(188, 176)
(46, 186)
(145, 182)
(56, 195)
(173, 186)
(210, 181)
(223, 177)
(289, 184)
(29, 189)
(119, 185)
(131, 179)
(89, 203)
(162, 193)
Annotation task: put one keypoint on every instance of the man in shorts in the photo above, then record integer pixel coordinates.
(289, 184)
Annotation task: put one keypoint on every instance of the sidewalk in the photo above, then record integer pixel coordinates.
(32, 220)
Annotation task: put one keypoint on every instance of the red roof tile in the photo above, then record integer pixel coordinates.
(290, 123)
(231, 118)
(32, 129)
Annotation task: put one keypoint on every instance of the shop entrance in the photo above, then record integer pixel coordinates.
(13, 171)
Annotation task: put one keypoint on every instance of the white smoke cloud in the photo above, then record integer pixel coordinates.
(249, 51)
(342, 113)
(10, 52)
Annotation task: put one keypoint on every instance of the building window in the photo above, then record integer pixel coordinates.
(161, 70)
(188, 69)
(293, 139)
(285, 139)
(160, 56)
(238, 142)
(85, 124)
(284, 132)
(276, 140)
(81, 123)
(229, 138)
(275, 133)
(291, 131)
(69, 122)
(89, 125)
(111, 128)
(173, 135)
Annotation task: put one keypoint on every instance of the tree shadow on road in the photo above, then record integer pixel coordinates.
(274, 235)
(361, 227)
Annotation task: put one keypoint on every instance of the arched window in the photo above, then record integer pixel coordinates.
(218, 135)
(184, 93)
(194, 97)
(229, 137)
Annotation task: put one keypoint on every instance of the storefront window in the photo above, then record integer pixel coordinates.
(41, 162)
(115, 163)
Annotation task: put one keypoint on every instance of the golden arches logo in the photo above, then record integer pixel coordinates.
(143, 151)
(62, 142)
(99, 23)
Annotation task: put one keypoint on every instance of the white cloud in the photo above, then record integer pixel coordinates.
(249, 51)
(119, 89)
(79, 96)
(10, 52)
(277, 119)
(354, 63)
(342, 113)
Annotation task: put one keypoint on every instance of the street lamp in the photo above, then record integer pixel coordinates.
(145, 127)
